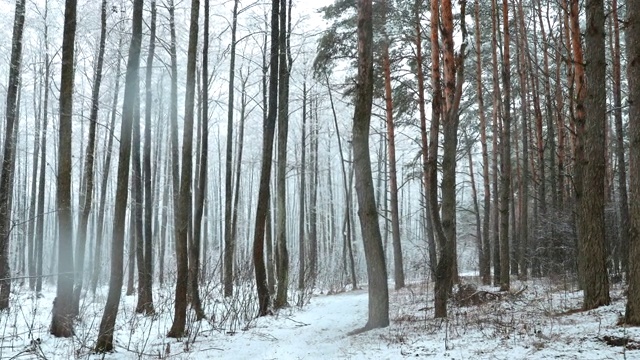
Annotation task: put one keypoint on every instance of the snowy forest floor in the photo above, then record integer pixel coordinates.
(537, 320)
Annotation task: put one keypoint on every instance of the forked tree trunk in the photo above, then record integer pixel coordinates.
(201, 185)
(132, 85)
(183, 217)
(265, 173)
(346, 232)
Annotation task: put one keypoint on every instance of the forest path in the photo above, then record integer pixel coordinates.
(318, 331)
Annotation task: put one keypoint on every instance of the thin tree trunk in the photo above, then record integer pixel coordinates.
(37, 105)
(623, 202)
(97, 259)
(303, 186)
(505, 164)
(145, 295)
(398, 267)
(43, 162)
(86, 195)
(282, 263)
(229, 241)
(201, 186)
(485, 258)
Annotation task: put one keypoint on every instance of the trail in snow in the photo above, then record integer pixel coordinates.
(319, 331)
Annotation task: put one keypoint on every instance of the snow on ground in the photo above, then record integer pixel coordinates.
(538, 320)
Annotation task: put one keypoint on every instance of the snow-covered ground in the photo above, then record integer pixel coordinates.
(540, 322)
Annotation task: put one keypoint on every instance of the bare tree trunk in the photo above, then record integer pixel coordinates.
(107, 324)
(398, 267)
(37, 107)
(183, 218)
(8, 164)
(41, 182)
(145, 293)
(346, 233)
(62, 316)
(523, 259)
(201, 186)
(265, 174)
(303, 186)
(623, 202)
(505, 164)
(495, 150)
(97, 259)
(282, 263)
(374, 254)
(591, 198)
(632, 311)
(424, 137)
(229, 241)
(313, 198)
(86, 195)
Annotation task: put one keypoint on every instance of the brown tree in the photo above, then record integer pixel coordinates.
(8, 161)
(132, 86)
(183, 216)
(590, 160)
(398, 267)
(229, 241)
(145, 260)
(62, 316)
(374, 253)
(505, 164)
(282, 258)
(632, 37)
(265, 172)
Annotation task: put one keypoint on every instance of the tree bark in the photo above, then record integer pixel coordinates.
(86, 195)
(591, 199)
(107, 324)
(145, 283)
(229, 241)
(632, 37)
(265, 173)
(183, 218)
(282, 265)
(201, 173)
(62, 315)
(623, 202)
(374, 254)
(398, 267)
(8, 163)
(485, 258)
